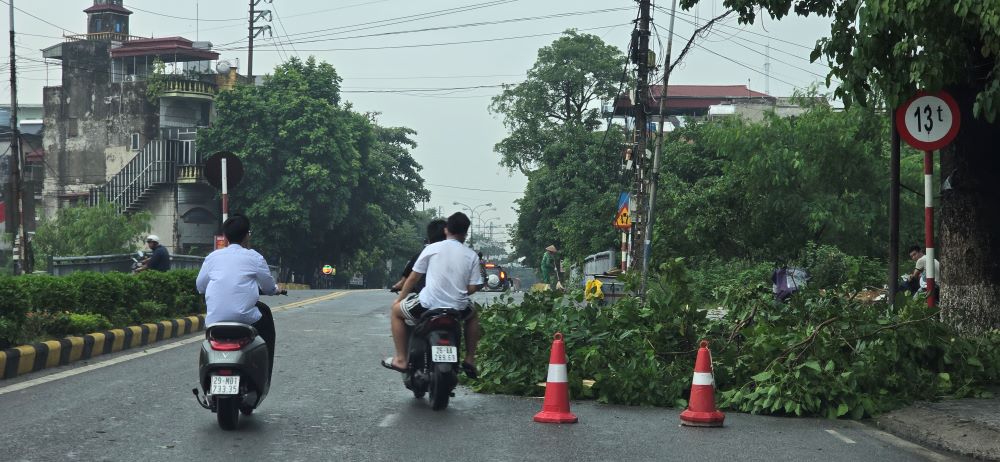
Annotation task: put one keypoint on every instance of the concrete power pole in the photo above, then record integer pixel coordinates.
(15, 157)
(640, 56)
(255, 31)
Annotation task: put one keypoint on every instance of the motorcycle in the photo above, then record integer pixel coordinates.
(137, 261)
(433, 356)
(233, 370)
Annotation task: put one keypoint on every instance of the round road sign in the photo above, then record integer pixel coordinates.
(928, 121)
(213, 169)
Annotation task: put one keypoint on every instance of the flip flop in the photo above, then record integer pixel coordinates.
(387, 363)
(470, 370)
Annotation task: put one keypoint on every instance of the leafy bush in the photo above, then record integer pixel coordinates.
(85, 323)
(822, 353)
(829, 267)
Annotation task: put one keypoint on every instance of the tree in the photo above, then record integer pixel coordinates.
(555, 140)
(761, 191)
(888, 49)
(322, 182)
(97, 230)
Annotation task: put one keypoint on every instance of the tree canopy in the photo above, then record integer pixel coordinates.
(323, 183)
(97, 230)
(555, 139)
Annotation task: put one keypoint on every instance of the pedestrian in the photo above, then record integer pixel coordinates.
(550, 267)
(160, 259)
(918, 278)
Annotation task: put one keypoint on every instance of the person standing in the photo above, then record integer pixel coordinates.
(550, 267)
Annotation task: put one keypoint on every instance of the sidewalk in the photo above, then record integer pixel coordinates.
(969, 427)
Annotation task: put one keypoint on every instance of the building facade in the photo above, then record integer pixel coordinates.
(122, 126)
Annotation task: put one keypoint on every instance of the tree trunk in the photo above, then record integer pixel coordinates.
(970, 223)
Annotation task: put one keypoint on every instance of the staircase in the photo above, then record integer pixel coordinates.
(154, 166)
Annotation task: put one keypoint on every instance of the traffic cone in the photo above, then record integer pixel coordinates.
(701, 411)
(555, 409)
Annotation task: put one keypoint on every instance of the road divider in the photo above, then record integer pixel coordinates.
(25, 359)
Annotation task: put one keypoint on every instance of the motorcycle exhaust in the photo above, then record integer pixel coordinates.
(202, 401)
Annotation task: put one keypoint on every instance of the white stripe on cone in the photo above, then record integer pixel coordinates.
(557, 373)
(703, 378)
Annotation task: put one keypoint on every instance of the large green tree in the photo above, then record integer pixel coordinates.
(555, 139)
(323, 183)
(891, 48)
(737, 189)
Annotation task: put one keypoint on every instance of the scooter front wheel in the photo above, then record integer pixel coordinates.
(228, 411)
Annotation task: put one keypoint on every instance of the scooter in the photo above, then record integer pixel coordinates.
(137, 261)
(433, 358)
(233, 370)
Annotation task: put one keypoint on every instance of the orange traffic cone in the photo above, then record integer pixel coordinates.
(555, 409)
(701, 411)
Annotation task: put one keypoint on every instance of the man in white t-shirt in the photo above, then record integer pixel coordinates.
(920, 269)
(451, 274)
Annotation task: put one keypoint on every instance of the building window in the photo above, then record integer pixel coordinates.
(71, 128)
(135, 142)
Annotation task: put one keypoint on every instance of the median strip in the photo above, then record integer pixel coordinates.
(25, 359)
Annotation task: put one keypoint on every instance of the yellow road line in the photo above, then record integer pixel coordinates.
(310, 301)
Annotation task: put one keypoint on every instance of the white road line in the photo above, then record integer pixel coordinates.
(841, 437)
(388, 420)
(100, 365)
(903, 444)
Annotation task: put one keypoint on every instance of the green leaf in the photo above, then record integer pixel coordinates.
(763, 376)
(842, 409)
(829, 366)
(814, 365)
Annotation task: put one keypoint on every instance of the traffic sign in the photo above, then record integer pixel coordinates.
(623, 220)
(213, 169)
(928, 121)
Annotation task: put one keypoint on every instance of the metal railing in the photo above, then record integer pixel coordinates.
(154, 165)
(177, 87)
(122, 263)
(102, 36)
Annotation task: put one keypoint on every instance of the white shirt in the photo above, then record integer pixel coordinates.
(922, 266)
(449, 268)
(230, 278)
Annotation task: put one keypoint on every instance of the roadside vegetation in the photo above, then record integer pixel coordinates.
(40, 307)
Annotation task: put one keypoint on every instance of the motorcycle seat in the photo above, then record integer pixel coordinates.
(230, 331)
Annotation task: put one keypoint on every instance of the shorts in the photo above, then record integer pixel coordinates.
(412, 310)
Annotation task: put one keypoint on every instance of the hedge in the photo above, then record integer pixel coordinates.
(40, 307)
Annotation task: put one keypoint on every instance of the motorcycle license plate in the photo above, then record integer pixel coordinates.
(225, 385)
(444, 354)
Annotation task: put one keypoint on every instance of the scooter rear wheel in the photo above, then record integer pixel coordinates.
(228, 412)
(440, 391)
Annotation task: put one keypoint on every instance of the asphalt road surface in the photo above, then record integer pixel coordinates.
(332, 401)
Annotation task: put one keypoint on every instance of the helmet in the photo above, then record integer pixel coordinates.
(154, 238)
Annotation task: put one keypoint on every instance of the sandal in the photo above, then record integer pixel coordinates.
(387, 363)
(470, 370)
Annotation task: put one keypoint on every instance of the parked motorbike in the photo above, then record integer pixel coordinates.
(433, 356)
(233, 371)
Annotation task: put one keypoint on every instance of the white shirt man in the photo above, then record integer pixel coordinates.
(230, 279)
(922, 267)
(449, 268)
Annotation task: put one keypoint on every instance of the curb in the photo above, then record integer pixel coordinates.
(927, 426)
(24, 359)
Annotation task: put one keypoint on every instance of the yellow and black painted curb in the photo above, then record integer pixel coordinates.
(23, 359)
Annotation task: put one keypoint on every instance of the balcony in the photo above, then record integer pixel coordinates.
(188, 89)
(101, 37)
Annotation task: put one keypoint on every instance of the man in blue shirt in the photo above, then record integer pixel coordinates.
(160, 259)
(232, 279)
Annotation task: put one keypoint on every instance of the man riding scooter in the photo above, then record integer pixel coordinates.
(233, 278)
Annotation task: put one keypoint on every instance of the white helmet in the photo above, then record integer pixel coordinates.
(154, 238)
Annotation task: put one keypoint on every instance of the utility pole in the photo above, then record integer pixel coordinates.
(655, 174)
(15, 156)
(256, 31)
(640, 56)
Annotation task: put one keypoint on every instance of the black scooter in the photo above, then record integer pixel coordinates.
(233, 371)
(433, 358)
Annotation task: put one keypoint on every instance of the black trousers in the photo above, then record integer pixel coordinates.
(265, 328)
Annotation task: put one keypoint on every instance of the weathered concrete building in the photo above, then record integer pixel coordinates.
(122, 126)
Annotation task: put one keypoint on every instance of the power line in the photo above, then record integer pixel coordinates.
(424, 45)
(474, 189)
(5, 2)
(183, 18)
(282, 24)
(664, 10)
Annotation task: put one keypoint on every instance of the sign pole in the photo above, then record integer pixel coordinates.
(929, 225)
(225, 191)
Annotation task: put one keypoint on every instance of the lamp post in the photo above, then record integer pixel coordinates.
(472, 211)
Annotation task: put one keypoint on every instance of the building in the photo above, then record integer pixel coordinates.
(685, 102)
(121, 127)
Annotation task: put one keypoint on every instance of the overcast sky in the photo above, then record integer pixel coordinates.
(456, 133)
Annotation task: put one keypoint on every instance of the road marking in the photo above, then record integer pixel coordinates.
(388, 420)
(149, 351)
(903, 444)
(841, 437)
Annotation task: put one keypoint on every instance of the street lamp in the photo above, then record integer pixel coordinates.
(472, 211)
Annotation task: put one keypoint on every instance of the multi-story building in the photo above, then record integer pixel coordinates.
(122, 126)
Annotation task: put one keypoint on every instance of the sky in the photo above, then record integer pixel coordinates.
(441, 90)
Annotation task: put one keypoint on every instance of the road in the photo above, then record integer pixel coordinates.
(332, 401)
